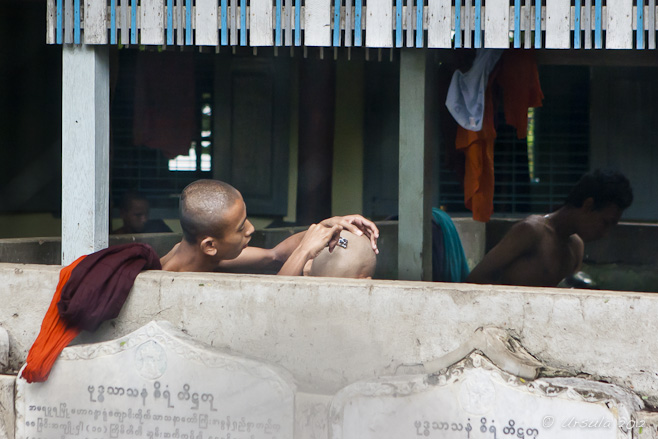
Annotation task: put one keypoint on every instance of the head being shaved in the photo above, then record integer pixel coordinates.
(203, 205)
(358, 260)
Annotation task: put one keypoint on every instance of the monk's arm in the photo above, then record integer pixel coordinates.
(515, 244)
(255, 259)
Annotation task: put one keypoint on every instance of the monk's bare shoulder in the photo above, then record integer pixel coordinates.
(520, 242)
(535, 221)
(531, 227)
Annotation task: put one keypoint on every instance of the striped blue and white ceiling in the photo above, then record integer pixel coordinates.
(554, 24)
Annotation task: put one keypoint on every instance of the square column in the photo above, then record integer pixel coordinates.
(85, 150)
(414, 228)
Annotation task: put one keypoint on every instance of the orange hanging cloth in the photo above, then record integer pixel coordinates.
(54, 336)
(519, 80)
(478, 147)
(517, 77)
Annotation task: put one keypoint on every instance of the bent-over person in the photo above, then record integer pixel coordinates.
(541, 250)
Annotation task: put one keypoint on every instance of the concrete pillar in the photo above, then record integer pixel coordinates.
(85, 150)
(414, 233)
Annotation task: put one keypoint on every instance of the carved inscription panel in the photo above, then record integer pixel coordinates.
(474, 403)
(156, 383)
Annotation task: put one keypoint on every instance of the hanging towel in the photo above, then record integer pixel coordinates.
(517, 76)
(455, 265)
(519, 80)
(465, 99)
(165, 115)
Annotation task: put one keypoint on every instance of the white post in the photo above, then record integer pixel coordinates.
(414, 227)
(85, 150)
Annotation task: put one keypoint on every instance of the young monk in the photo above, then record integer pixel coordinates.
(543, 250)
(134, 211)
(352, 257)
(216, 234)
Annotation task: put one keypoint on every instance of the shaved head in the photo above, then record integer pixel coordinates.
(358, 260)
(203, 205)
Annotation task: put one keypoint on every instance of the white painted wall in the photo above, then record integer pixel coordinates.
(7, 414)
(332, 333)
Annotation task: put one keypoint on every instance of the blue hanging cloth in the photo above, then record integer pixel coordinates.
(454, 264)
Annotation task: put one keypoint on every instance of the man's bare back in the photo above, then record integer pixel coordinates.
(532, 253)
(543, 250)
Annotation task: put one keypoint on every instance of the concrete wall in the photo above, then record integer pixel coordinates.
(48, 250)
(26, 225)
(331, 332)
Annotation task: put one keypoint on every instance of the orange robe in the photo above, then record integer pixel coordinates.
(90, 291)
(518, 79)
(54, 336)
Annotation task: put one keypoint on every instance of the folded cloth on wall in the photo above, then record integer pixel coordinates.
(454, 266)
(465, 99)
(90, 290)
(100, 284)
(517, 76)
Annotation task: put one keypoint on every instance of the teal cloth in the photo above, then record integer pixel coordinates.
(455, 267)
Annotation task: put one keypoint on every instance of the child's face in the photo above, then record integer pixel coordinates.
(135, 218)
(237, 231)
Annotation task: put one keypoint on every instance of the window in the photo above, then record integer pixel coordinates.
(535, 174)
(195, 159)
(149, 171)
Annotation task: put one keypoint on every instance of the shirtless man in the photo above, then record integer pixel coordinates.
(543, 250)
(216, 234)
(353, 258)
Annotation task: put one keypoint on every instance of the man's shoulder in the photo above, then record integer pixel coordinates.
(535, 220)
(531, 225)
